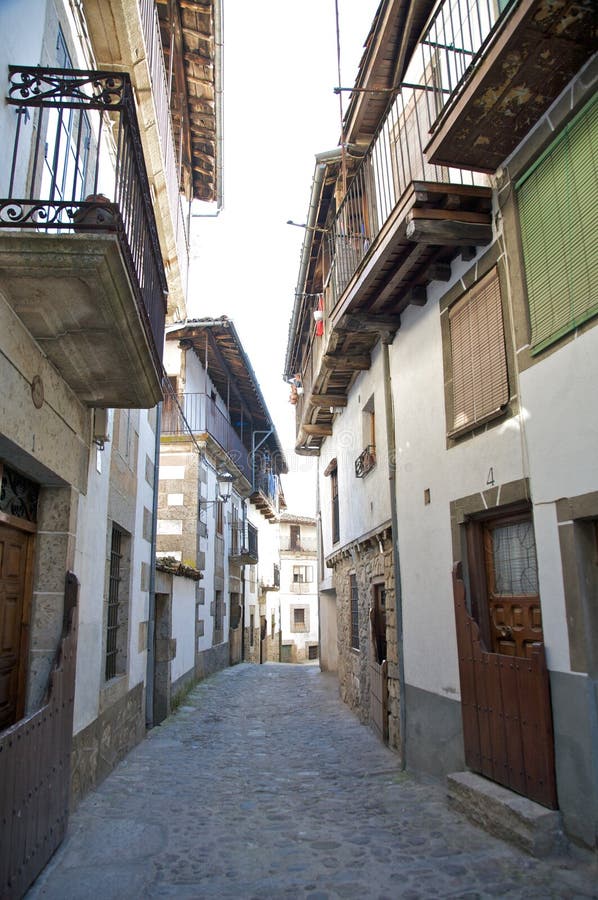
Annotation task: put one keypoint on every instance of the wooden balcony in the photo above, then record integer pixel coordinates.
(432, 225)
(400, 225)
(80, 259)
(496, 73)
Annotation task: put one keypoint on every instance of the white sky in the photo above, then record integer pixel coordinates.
(280, 70)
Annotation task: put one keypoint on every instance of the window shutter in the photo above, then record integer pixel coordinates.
(479, 364)
(558, 208)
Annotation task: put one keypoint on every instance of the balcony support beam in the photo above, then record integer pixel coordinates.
(318, 430)
(448, 233)
(358, 362)
(364, 322)
(324, 401)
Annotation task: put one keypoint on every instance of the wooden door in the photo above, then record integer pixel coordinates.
(514, 615)
(14, 608)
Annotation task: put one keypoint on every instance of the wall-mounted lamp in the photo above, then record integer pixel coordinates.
(225, 485)
(224, 480)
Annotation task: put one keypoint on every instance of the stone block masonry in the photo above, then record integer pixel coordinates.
(371, 561)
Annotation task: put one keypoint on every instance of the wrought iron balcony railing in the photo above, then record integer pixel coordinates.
(453, 42)
(366, 461)
(199, 414)
(244, 542)
(78, 166)
(267, 484)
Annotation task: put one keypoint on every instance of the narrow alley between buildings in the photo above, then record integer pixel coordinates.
(263, 784)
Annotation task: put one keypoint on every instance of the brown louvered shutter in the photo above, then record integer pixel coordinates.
(479, 363)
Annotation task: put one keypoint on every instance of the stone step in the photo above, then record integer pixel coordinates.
(507, 815)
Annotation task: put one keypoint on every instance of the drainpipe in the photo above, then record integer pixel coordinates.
(392, 483)
(245, 530)
(151, 624)
(320, 568)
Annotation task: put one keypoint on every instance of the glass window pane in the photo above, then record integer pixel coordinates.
(514, 552)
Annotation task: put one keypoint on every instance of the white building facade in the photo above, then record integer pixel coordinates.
(94, 256)
(443, 396)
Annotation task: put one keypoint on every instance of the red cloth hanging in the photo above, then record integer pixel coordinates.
(320, 322)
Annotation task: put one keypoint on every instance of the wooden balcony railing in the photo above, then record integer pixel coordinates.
(78, 166)
(198, 413)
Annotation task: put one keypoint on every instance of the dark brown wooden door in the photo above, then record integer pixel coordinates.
(515, 618)
(14, 547)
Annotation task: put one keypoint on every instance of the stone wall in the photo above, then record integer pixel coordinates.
(209, 661)
(371, 560)
(98, 748)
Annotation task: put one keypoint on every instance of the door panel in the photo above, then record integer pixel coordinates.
(13, 575)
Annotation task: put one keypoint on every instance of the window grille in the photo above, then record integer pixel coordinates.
(299, 616)
(113, 603)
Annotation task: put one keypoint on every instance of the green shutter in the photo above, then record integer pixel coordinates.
(558, 208)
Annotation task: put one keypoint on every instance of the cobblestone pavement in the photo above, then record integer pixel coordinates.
(264, 785)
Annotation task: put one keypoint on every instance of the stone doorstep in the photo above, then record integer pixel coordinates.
(507, 815)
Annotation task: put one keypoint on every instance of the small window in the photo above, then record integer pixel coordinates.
(480, 387)
(219, 517)
(312, 651)
(295, 537)
(299, 619)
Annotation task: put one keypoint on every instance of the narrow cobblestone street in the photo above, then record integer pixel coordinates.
(264, 785)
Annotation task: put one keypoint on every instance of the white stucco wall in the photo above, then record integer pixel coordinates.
(183, 626)
(363, 502)
(423, 462)
(90, 569)
(559, 398)
(141, 552)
